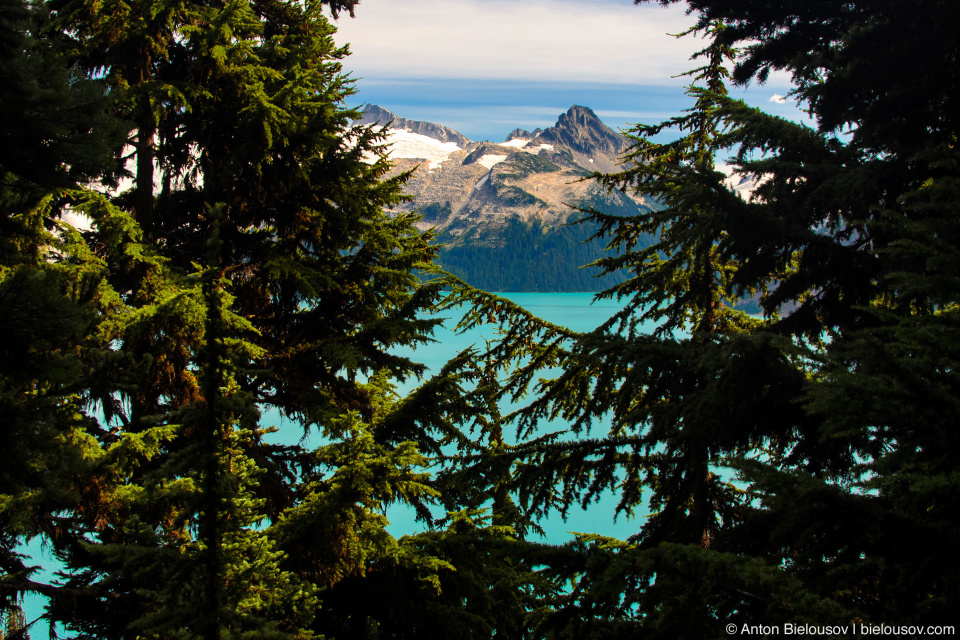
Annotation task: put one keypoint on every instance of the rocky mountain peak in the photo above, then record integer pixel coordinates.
(522, 134)
(502, 207)
(374, 114)
(581, 130)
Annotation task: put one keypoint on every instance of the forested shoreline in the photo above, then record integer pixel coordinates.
(528, 256)
(236, 257)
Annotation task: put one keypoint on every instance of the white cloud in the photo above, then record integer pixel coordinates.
(779, 99)
(613, 42)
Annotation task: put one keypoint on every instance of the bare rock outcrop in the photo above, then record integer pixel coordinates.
(372, 114)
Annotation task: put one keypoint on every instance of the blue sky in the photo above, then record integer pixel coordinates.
(485, 67)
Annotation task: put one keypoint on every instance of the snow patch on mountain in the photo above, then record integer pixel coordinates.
(490, 159)
(521, 144)
(537, 149)
(742, 185)
(406, 144)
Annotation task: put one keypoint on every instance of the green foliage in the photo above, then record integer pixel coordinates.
(53, 300)
(799, 466)
(56, 131)
(516, 196)
(249, 268)
(530, 256)
(14, 625)
(435, 212)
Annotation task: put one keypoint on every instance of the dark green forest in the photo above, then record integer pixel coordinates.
(528, 256)
(799, 466)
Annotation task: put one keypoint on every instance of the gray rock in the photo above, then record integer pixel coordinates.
(522, 134)
(534, 185)
(581, 130)
(373, 114)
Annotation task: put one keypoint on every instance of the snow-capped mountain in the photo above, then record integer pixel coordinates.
(533, 176)
(500, 208)
(372, 114)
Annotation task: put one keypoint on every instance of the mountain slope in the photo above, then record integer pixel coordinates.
(500, 209)
(373, 114)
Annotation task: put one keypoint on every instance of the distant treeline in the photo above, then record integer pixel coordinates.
(532, 256)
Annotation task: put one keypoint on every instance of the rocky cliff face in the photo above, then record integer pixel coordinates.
(523, 134)
(536, 176)
(581, 131)
(373, 114)
(500, 208)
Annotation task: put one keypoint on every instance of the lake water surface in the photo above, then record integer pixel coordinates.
(576, 311)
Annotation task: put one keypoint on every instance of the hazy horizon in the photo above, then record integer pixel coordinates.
(487, 67)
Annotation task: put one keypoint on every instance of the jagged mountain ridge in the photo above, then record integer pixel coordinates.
(500, 208)
(580, 130)
(535, 176)
(372, 114)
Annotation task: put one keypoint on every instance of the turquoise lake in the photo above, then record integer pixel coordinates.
(576, 311)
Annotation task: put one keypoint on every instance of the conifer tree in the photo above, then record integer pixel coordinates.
(249, 267)
(832, 409)
(56, 134)
(700, 385)
(14, 625)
